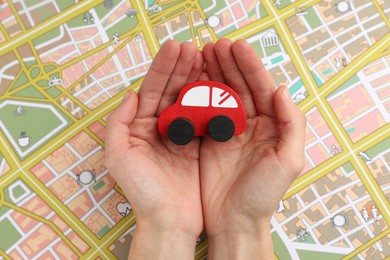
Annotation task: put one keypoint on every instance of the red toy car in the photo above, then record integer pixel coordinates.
(203, 108)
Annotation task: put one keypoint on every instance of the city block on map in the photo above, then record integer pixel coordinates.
(65, 65)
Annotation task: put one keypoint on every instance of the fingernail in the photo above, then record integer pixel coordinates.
(286, 93)
(126, 95)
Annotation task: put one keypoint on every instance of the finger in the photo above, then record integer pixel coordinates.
(293, 125)
(117, 131)
(204, 75)
(179, 75)
(197, 68)
(157, 78)
(233, 76)
(259, 80)
(214, 69)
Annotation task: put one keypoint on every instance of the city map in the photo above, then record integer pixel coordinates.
(65, 65)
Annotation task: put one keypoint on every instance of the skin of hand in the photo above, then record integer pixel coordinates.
(160, 179)
(243, 179)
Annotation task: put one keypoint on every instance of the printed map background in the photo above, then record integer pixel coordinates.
(64, 65)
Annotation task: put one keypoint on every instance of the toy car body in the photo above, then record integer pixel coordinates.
(203, 108)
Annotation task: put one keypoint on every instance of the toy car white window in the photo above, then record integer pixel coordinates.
(197, 97)
(222, 98)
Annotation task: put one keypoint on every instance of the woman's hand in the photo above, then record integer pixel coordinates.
(243, 179)
(160, 179)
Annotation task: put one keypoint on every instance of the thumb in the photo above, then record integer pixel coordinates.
(125, 112)
(118, 122)
(293, 125)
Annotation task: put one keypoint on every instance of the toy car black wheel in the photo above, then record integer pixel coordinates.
(221, 128)
(181, 131)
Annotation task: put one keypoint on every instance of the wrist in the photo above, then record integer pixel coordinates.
(253, 243)
(150, 243)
